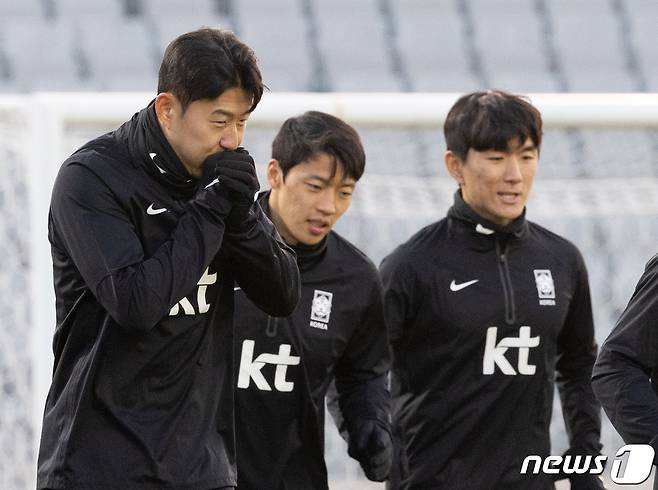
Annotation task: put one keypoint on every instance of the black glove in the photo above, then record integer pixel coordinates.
(371, 445)
(586, 482)
(236, 173)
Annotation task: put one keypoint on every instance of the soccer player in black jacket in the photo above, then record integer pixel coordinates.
(337, 330)
(485, 310)
(151, 225)
(624, 376)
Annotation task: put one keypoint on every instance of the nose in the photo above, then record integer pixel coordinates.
(513, 170)
(327, 202)
(230, 138)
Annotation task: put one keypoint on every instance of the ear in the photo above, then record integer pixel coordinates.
(274, 174)
(454, 165)
(165, 105)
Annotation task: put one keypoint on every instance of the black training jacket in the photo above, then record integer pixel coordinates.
(285, 365)
(144, 271)
(624, 376)
(482, 320)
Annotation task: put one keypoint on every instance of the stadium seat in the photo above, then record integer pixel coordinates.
(168, 27)
(121, 52)
(277, 31)
(587, 36)
(80, 9)
(167, 8)
(12, 9)
(356, 59)
(518, 67)
(430, 39)
(42, 55)
(643, 15)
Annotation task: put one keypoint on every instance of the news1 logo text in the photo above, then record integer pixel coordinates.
(632, 464)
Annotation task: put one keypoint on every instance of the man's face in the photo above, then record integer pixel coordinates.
(306, 205)
(496, 184)
(207, 126)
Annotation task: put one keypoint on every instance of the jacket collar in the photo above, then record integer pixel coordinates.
(150, 149)
(463, 214)
(307, 255)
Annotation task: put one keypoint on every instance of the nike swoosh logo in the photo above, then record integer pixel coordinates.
(458, 287)
(237, 288)
(152, 211)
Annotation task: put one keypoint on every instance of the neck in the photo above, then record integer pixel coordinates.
(278, 222)
(194, 172)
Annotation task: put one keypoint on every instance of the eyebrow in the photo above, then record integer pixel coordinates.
(522, 149)
(326, 180)
(227, 113)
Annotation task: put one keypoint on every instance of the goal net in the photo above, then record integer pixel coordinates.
(597, 185)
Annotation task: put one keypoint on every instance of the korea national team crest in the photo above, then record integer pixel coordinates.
(321, 309)
(545, 287)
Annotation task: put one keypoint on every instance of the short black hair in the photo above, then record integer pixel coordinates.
(302, 137)
(490, 120)
(202, 64)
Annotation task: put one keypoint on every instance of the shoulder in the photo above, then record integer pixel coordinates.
(349, 256)
(105, 152)
(105, 159)
(548, 239)
(650, 273)
(552, 243)
(102, 167)
(421, 247)
(652, 264)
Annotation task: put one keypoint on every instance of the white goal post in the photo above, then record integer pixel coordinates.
(43, 142)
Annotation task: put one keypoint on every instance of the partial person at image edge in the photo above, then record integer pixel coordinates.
(336, 332)
(485, 310)
(151, 225)
(624, 376)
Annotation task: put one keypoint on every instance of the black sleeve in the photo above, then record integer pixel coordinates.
(88, 221)
(262, 264)
(399, 284)
(627, 363)
(576, 353)
(361, 372)
(361, 391)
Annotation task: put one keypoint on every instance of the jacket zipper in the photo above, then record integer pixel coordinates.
(506, 280)
(272, 326)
